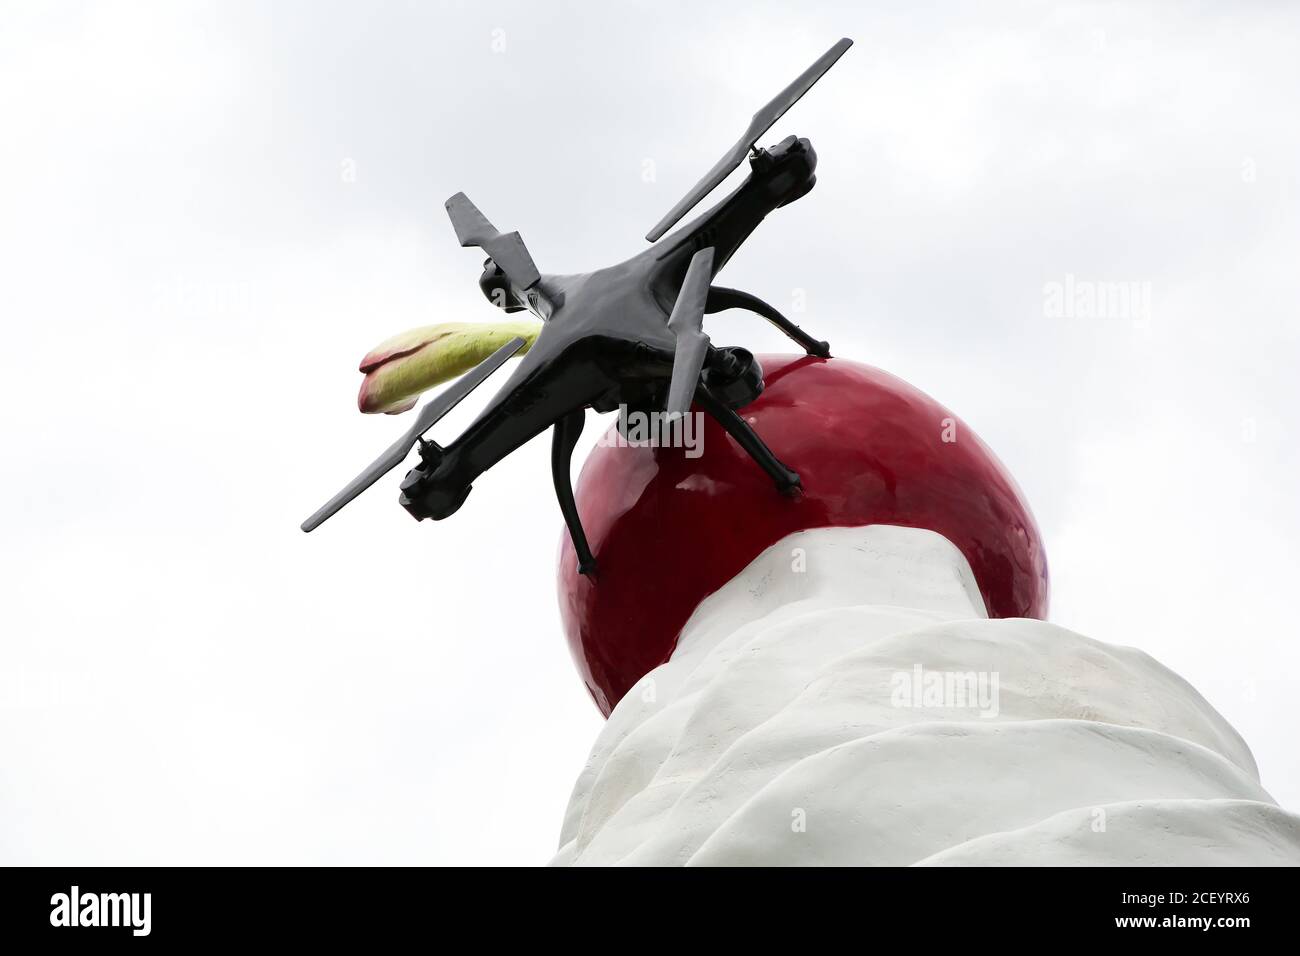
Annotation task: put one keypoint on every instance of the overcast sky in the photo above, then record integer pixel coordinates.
(209, 212)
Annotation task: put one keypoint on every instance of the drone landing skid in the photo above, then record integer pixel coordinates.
(722, 299)
(564, 437)
(786, 479)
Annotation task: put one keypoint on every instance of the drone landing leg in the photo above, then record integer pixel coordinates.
(563, 438)
(721, 299)
(786, 479)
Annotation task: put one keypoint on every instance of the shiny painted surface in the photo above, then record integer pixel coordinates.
(668, 530)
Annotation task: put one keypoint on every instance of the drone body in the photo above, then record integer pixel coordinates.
(624, 337)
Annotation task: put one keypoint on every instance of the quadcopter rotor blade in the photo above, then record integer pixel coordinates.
(433, 410)
(687, 323)
(759, 125)
(506, 249)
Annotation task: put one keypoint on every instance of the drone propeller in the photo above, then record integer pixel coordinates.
(429, 415)
(507, 249)
(687, 323)
(759, 125)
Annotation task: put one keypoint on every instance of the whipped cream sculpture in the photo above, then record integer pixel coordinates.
(865, 711)
(813, 606)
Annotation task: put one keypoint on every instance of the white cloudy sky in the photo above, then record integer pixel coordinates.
(187, 280)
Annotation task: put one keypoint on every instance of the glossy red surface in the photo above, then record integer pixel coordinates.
(668, 530)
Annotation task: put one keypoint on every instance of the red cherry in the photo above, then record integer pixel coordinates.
(668, 530)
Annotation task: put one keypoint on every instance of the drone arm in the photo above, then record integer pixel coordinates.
(563, 439)
(721, 299)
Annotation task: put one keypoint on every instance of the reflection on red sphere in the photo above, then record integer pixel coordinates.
(668, 530)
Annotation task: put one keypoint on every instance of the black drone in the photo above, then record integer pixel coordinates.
(628, 336)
